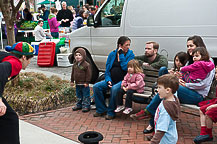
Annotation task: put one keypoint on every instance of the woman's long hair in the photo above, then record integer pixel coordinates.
(183, 58)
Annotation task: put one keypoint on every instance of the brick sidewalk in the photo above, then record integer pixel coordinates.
(122, 130)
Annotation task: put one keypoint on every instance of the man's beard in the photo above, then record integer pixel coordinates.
(149, 55)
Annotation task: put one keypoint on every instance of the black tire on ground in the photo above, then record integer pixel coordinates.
(90, 137)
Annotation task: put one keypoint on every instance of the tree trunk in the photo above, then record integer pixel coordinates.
(9, 12)
(10, 32)
(27, 4)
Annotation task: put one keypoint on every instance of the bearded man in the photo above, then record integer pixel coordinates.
(151, 57)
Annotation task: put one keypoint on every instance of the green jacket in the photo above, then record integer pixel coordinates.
(158, 62)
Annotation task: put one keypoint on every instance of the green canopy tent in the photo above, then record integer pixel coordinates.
(46, 2)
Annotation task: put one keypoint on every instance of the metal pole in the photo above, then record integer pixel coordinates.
(2, 47)
(35, 10)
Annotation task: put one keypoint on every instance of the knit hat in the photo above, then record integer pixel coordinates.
(22, 48)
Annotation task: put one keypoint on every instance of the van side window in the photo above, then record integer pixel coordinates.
(111, 13)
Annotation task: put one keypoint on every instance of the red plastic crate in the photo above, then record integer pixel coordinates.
(46, 54)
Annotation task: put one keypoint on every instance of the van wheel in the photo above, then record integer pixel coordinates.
(94, 70)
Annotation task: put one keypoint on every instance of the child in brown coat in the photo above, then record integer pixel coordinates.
(81, 76)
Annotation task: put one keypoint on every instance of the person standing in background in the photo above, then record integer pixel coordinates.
(65, 15)
(45, 13)
(27, 15)
(78, 21)
(53, 23)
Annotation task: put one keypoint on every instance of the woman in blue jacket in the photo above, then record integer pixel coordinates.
(116, 69)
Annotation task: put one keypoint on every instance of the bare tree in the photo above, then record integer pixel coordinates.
(27, 4)
(9, 11)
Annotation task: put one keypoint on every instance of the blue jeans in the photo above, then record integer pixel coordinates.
(185, 95)
(83, 96)
(162, 71)
(98, 90)
(55, 34)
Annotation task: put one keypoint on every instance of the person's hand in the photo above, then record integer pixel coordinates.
(211, 106)
(145, 64)
(182, 83)
(65, 20)
(109, 84)
(171, 72)
(178, 74)
(86, 85)
(120, 49)
(125, 89)
(2, 108)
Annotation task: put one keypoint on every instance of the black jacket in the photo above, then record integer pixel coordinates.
(65, 14)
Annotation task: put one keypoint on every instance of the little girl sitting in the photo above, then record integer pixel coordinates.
(197, 71)
(133, 82)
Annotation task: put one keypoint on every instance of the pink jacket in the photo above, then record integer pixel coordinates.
(135, 82)
(53, 23)
(199, 69)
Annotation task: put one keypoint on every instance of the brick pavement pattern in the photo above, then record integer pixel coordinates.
(121, 130)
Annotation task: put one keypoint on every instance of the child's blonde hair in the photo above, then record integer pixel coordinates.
(135, 65)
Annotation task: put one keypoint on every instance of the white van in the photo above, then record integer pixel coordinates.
(168, 22)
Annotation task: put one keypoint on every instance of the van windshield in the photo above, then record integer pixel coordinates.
(111, 13)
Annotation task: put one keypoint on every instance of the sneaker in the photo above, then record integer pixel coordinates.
(93, 107)
(119, 108)
(202, 138)
(75, 108)
(140, 115)
(127, 110)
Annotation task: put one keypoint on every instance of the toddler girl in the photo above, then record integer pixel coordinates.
(133, 82)
(197, 71)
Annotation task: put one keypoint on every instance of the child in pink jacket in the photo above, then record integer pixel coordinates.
(197, 71)
(133, 82)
